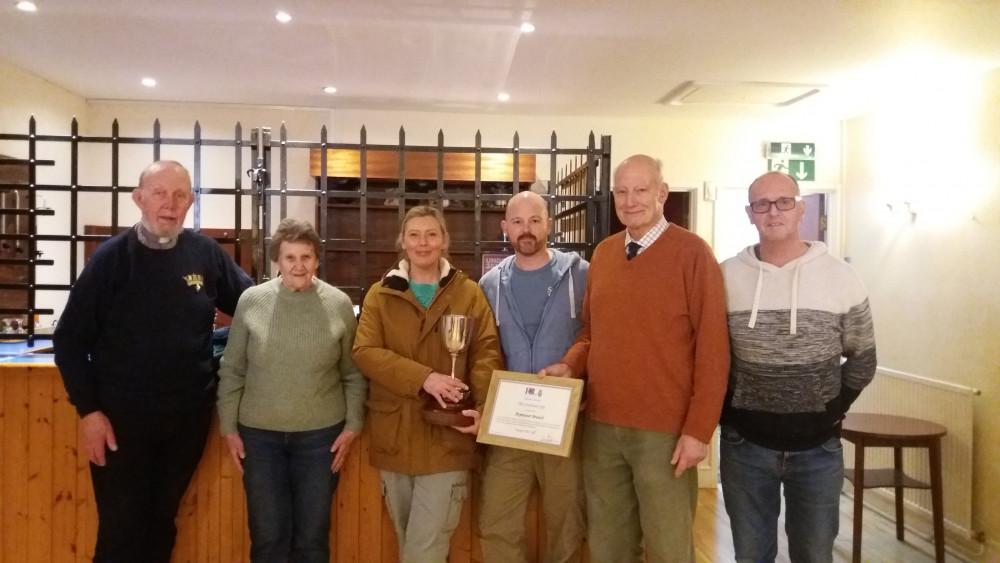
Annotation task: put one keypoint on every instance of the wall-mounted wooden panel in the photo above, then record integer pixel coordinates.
(457, 167)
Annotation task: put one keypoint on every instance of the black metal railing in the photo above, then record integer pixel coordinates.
(264, 184)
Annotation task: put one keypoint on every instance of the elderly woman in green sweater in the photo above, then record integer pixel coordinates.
(291, 400)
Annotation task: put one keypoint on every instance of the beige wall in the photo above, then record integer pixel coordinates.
(24, 94)
(934, 281)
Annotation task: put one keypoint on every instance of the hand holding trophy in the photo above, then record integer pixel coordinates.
(456, 332)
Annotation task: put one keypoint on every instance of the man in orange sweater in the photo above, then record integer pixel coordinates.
(655, 349)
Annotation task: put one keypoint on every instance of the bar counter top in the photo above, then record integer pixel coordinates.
(19, 352)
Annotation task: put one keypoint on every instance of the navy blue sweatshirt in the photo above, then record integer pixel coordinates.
(137, 328)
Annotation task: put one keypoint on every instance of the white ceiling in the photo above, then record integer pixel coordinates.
(586, 57)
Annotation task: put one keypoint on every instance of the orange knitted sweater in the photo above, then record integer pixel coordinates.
(654, 342)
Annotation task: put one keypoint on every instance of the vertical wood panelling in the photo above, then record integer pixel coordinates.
(369, 508)
(348, 513)
(86, 509)
(64, 444)
(48, 512)
(3, 465)
(228, 550)
(40, 468)
(15, 456)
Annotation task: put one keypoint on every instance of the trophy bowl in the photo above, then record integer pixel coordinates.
(456, 332)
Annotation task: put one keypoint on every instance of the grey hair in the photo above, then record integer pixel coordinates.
(294, 230)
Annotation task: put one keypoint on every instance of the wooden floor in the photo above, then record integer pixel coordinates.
(714, 541)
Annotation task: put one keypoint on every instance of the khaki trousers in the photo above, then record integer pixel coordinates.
(508, 478)
(425, 510)
(633, 499)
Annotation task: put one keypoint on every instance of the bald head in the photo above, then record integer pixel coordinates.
(528, 203)
(642, 164)
(778, 227)
(527, 226)
(773, 178)
(167, 168)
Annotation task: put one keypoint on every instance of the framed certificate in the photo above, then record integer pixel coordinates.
(532, 413)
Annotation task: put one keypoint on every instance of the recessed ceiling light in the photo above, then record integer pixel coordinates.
(330, 90)
(283, 17)
(148, 82)
(527, 27)
(503, 96)
(27, 7)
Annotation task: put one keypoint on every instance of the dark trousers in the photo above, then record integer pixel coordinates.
(289, 487)
(141, 485)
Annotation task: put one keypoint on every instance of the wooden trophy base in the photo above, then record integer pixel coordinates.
(449, 416)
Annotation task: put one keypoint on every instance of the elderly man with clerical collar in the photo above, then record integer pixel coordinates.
(134, 346)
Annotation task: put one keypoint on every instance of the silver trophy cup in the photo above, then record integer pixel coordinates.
(456, 332)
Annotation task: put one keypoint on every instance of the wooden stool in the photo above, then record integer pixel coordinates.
(896, 432)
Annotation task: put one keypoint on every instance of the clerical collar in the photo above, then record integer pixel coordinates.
(150, 240)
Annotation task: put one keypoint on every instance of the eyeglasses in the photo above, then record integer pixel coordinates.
(782, 203)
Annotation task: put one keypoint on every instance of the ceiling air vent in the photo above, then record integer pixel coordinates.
(760, 94)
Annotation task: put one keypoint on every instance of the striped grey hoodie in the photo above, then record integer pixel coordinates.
(803, 347)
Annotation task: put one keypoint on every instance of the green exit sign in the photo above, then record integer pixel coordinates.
(801, 170)
(791, 150)
(795, 159)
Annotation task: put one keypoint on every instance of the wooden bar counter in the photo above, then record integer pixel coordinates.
(48, 511)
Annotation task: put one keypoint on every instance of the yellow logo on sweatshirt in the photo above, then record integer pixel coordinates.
(195, 281)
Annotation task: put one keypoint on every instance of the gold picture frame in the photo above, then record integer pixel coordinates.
(532, 413)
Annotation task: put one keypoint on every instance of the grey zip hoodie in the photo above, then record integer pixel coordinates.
(560, 319)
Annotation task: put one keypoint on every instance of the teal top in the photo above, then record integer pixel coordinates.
(287, 365)
(424, 292)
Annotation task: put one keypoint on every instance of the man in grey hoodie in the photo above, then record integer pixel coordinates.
(537, 299)
(803, 348)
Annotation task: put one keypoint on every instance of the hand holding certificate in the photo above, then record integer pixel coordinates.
(532, 413)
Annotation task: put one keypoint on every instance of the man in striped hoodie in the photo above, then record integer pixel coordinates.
(802, 348)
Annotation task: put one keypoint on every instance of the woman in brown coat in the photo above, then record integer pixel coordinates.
(423, 467)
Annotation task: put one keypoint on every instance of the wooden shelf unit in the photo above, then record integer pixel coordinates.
(362, 215)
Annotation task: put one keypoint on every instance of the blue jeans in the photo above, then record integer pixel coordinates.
(752, 477)
(289, 488)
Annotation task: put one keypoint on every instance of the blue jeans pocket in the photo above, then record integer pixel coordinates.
(833, 445)
(730, 435)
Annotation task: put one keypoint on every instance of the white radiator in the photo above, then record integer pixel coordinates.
(950, 405)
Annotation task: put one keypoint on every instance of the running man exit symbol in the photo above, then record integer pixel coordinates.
(794, 159)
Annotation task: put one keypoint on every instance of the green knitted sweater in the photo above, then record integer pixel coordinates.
(288, 366)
